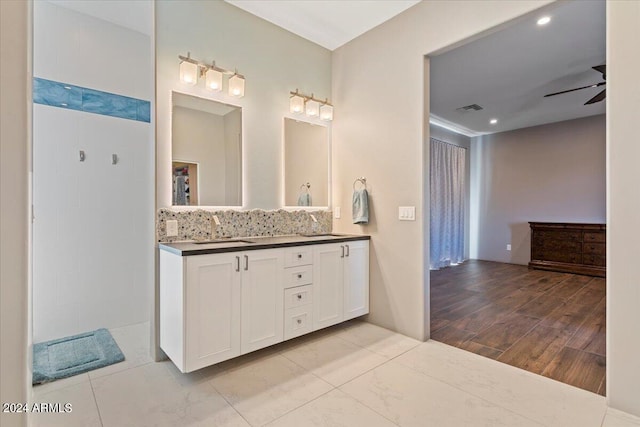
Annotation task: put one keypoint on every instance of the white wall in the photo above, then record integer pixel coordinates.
(380, 89)
(94, 221)
(623, 205)
(547, 173)
(273, 61)
(15, 85)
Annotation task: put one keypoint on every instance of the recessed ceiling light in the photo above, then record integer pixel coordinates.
(493, 121)
(544, 20)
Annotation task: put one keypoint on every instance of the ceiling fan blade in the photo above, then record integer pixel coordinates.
(579, 88)
(601, 68)
(599, 97)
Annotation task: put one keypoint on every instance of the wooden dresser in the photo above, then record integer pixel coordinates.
(569, 247)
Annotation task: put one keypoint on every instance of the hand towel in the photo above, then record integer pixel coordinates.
(304, 199)
(360, 206)
(180, 194)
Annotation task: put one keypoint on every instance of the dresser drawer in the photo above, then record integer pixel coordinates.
(296, 297)
(595, 237)
(558, 235)
(596, 260)
(559, 245)
(297, 321)
(299, 255)
(595, 248)
(560, 256)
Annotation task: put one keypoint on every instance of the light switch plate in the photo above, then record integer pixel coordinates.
(407, 213)
(172, 228)
(508, 247)
(336, 212)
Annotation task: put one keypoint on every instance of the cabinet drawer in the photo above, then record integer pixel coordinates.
(595, 248)
(296, 297)
(597, 260)
(299, 255)
(558, 235)
(559, 245)
(595, 237)
(297, 276)
(297, 321)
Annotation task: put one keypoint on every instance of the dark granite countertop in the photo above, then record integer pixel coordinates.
(253, 243)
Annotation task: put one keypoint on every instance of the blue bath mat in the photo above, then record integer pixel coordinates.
(66, 357)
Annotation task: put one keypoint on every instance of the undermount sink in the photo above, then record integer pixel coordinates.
(319, 235)
(203, 242)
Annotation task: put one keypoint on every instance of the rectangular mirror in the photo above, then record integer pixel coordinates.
(206, 152)
(306, 164)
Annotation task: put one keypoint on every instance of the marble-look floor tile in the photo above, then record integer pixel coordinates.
(547, 401)
(134, 343)
(615, 418)
(40, 389)
(265, 388)
(409, 398)
(376, 339)
(84, 412)
(333, 359)
(335, 409)
(155, 395)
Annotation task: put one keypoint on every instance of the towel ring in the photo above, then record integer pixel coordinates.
(362, 181)
(306, 187)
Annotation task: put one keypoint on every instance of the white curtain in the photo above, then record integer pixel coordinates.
(447, 178)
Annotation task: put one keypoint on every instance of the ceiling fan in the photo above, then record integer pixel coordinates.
(599, 97)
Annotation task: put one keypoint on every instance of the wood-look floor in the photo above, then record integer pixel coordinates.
(548, 323)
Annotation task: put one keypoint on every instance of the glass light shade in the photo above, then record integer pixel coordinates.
(326, 112)
(213, 79)
(296, 104)
(236, 86)
(188, 73)
(312, 108)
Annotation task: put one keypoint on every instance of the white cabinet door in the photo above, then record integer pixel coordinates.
(328, 277)
(356, 279)
(212, 312)
(262, 298)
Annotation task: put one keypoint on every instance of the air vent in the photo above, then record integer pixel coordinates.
(468, 108)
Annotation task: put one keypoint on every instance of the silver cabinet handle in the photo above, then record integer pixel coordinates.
(237, 263)
(246, 263)
(347, 250)
(342, 247)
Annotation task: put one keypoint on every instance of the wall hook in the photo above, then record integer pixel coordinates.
(82, 155)
(114, 159)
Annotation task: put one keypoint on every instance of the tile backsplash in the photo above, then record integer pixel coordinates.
(199, 224)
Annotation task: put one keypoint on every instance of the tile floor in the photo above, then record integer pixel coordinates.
(355, 374)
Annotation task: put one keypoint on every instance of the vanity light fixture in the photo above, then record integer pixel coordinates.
(326, 111)
(188, 70)
(191, 69)
(236, 85)
(213, 78)
(312, 107)
(296, 103)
